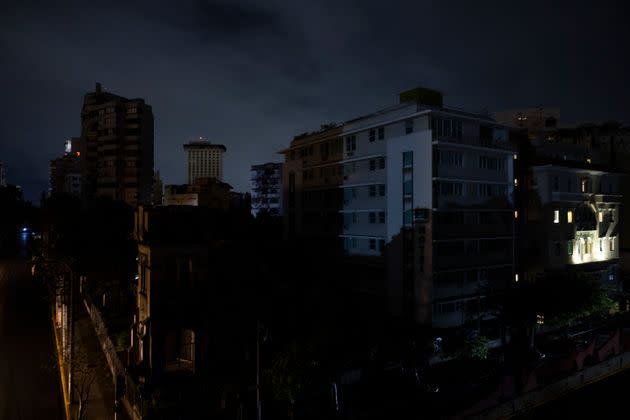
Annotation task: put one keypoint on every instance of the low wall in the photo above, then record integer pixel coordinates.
(132, 401)
(553, 391)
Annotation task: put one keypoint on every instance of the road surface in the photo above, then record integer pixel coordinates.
(29, 383)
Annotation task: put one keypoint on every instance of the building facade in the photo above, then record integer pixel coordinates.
(116, 147)
(266, 185)
(431, 188)
(205, 192)
(311, 177)
(205, 160)
(65, 171)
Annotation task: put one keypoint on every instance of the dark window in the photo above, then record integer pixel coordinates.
(381, 217)
(381, 163)
(372, 190)
(372, 243)
(555, 183)
(372, 217)
(381, 190)
(372, 136)
(372, 165)
(381, 133)
(408, 126)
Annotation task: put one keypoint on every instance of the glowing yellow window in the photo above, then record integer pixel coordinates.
(600, 216)
(569, 216)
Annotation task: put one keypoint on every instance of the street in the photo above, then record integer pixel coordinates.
(29, 383)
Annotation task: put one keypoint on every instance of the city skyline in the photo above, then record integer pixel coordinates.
(252, 77)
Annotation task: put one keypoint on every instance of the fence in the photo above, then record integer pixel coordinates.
(132, 400)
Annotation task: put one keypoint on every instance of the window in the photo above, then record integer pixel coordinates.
(600, 216)
(408, 126)
(408, 217)
(450, 158)
(556, 184)
(407, 159)
(487, 162)
(372, 136)
(372, 217)
(381, 244)
(372, 243)
(585, 185)
(601, 244)
(558, 251)
(570, 247)
(569, 216)
(408, 187)
(310, 150)
(372, 190)
(381, 163)
(516, 214)
(450, 188)
(556, 216)
(381, 133)
(516, 182)
(372, 165)
(612, 243)
(351, 144)
(381, 217)
(381, 190)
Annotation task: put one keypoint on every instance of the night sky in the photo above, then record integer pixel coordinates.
(251, 74)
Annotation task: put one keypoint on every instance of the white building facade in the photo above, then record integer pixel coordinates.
(434, 185)
(266, 188)
(205, 160)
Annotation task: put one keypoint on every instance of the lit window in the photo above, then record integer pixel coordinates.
(588, 160)
(612, 244)
(556, 216)
(569, 216)
(515, 156)
(516, 214)
(600, 216)
(585, 185)
(516, 277)
(570, 247)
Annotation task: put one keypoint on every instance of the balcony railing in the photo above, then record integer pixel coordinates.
(476, 141)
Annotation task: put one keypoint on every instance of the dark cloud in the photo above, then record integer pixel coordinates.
(252, 74)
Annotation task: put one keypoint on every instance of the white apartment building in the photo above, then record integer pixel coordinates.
(266, 186)
(434, 184)
(205, 160)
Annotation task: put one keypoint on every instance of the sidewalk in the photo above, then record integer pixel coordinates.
(91, 367)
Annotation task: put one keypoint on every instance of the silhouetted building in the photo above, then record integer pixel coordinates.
(311, 178)
(205, 160)
(266, 184)
(540, 123)
(205, 192)
(158, 189)
(240, 202)
(116, 147)
(3, 176)
(65, 171)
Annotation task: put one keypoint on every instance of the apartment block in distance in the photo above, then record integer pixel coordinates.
(266, 185)
(312, 175)
(65, 171)
(116, 147)
(205, 160)
(430, 188)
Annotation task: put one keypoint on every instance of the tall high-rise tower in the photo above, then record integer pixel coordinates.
(116, 147)
(205, 160)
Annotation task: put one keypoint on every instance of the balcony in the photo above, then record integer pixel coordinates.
(476, 142)
(581, 197)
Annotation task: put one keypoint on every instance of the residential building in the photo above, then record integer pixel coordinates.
(188, 341)
(240, 202)
(205, 160)
(65, 171)
(568, 203)
(205, 192)
(266, 184)
(116, 147)
(423, 201)
(540, 123)
(311, 177)
(431, 187)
